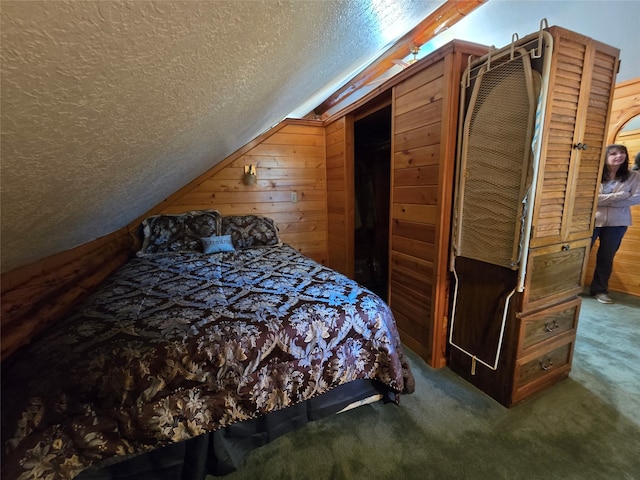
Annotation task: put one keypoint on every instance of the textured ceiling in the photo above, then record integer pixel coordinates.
(108, 107)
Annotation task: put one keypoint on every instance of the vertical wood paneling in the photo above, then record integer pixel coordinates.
(290, 160)
(416, 127)
(425, 112)
(626, 275)
(340, 198)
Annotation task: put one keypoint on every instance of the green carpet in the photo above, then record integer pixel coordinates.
(586, 427)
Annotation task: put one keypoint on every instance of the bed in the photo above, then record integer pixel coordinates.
(214, 339)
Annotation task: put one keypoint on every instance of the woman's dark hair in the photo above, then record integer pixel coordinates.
(623, 169)
(636, 163)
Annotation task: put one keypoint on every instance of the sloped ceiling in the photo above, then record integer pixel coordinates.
(108, 107)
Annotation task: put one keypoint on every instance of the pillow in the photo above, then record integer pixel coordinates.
(178, 233)
(215, 244)
(248, 231)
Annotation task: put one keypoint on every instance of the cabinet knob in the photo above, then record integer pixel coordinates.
(546, 366)
(580, 146)
(550, 326)
(566, 247)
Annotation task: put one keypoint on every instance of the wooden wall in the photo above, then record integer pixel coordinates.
(37, 295)
(626, 105)
(289, 158)
(425, 119)
(296, 156)
(417, 107)
(630, 139)
(626, 275)
(289, 161)
(340, 202)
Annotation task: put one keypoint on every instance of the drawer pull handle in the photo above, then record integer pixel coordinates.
(547, 366)
(549, 327)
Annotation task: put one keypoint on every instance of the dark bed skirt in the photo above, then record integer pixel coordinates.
(221, 452)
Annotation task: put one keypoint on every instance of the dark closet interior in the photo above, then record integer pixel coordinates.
(372, 163)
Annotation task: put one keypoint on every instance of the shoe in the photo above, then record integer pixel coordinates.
(603, 298)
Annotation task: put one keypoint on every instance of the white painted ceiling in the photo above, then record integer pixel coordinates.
(108, 107)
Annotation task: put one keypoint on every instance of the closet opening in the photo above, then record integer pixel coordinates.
(372, 164)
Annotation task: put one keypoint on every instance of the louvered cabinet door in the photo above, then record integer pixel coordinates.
(581, 87)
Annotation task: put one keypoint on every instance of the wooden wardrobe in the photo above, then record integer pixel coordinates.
(424, 103)
(516, 306)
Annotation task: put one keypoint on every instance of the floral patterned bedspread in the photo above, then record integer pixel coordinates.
(174, 346)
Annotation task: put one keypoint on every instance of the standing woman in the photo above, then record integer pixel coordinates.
(619, 190)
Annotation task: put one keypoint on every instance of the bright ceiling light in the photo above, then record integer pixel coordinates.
(391, 17)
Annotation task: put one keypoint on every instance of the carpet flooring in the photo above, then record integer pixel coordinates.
(586, 427)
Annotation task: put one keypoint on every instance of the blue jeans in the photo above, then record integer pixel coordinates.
(610, 240)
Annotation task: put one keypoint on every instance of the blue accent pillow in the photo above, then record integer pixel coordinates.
(215, 244)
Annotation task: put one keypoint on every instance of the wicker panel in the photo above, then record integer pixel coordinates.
(496, 155)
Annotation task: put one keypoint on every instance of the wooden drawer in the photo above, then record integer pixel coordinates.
(554, 272)
(547, 325)
(541, 369)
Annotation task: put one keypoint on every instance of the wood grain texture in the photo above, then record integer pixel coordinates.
(580, 93)
(425, 118)
(626, 275)
(289, 161)
(443, 17)
(582, 76)
(340, 198)
(37, 295)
